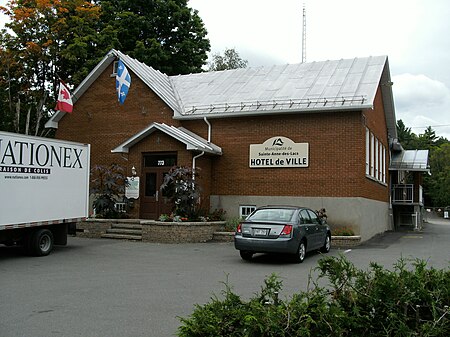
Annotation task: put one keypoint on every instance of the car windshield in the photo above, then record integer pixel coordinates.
(272, 214)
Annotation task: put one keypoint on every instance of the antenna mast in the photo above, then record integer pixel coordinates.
(304, 35)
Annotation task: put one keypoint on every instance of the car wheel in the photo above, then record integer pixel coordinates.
(245, 255)
(327, 245)
(301, 252)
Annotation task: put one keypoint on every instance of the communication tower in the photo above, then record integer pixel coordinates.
(304, 35)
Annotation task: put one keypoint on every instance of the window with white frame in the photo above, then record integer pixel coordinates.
(377, 155)
(367, 151)
(245, 210)
(372, 154)
(375, 158)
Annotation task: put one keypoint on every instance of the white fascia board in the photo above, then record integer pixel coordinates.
(269, 112)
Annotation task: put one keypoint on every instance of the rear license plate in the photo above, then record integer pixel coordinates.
(260, 232)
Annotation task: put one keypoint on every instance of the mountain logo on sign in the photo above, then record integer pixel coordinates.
(277, 142)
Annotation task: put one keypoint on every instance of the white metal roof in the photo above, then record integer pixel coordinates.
(336, 85)
(293, 88)
(191, 140)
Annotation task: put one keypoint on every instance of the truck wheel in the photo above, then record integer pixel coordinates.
(41, 243)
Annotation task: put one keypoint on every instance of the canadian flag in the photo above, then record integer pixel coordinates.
(64, 102)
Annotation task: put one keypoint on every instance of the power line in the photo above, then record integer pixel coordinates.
(432, 126)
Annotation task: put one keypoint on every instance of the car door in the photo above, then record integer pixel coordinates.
(319, 229)
(310, 229)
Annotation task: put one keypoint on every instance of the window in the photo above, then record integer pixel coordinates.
(245, 210)
(120, 207)
(160, 159)
(377, 155)
(375, 158)
(314, 218)
(372, 154)
(304, 215)
(367, 151)
(114, 72)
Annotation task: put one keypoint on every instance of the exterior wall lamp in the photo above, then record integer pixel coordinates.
(133, 171)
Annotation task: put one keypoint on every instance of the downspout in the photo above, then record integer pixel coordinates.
(209, 129)
(203, 152)
(193, 163)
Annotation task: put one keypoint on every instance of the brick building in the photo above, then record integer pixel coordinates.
(317, 134)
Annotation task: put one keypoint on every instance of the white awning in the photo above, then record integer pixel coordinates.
(410, 160)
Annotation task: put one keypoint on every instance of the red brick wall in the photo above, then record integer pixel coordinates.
(100, 120)
(336, 156)
(336, 143)
(375, 121)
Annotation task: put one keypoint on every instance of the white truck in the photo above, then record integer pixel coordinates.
(44, 187)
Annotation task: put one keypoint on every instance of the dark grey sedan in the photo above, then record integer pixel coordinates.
(282, 229)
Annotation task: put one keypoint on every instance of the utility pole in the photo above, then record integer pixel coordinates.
(304, 35)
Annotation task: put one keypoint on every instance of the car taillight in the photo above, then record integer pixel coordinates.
(287, 230)
(239, 228)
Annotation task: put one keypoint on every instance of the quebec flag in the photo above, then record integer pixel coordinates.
(123, 81)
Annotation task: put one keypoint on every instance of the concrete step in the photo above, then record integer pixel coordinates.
(122, 236)
(126, 226)
(124, 231)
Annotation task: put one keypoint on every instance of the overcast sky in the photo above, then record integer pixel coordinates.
(414, 34)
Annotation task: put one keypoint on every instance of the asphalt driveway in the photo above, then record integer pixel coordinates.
(114, 288)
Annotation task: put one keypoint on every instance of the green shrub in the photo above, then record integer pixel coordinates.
(183, 190)
(107, 184)
(217, 215)
(342, 231)
(231, 224)
(410, 300)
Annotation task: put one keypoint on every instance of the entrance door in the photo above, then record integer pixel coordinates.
(153, 202)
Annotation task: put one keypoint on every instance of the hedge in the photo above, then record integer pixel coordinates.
(409, 300)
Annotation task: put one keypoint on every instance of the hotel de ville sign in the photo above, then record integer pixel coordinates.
(279, 152)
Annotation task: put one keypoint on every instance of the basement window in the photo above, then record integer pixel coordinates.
(245, 210)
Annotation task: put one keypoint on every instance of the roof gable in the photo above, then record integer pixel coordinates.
(192, 141)
(154, 79)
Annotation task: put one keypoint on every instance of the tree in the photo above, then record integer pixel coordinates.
(407, 138)
(439, 182)
(437, 185)
(164, 34)
(229, 60)
(49, 39)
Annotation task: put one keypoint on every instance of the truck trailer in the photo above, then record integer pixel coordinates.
(44, 189)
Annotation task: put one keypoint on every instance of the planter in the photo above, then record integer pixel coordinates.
(179, 232)
(223, 237)
(153, 231)
(93, 228)
(345, 241)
